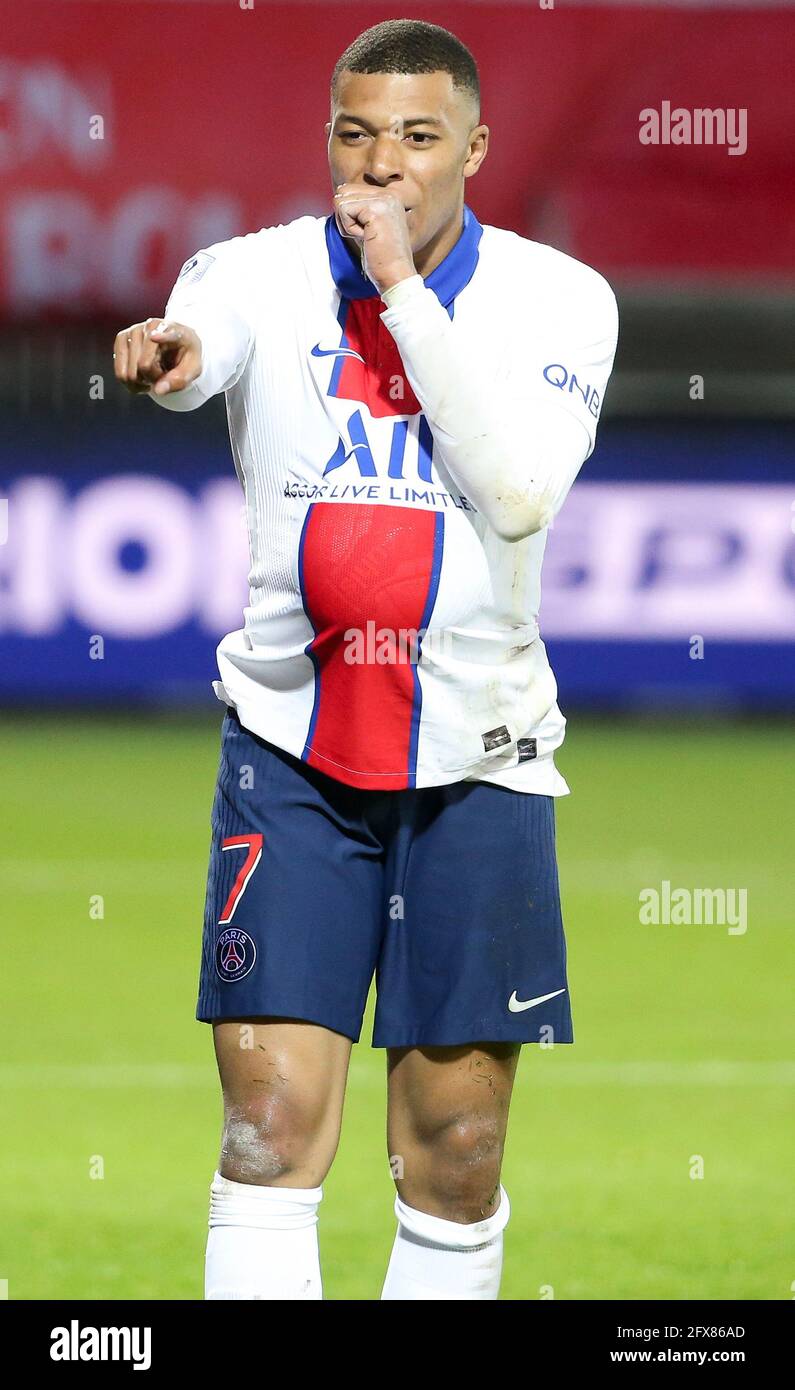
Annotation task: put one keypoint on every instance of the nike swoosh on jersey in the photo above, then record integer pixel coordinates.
(318, 351)
(518, 1006)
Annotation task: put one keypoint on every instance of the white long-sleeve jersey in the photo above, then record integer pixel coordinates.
(401, 459)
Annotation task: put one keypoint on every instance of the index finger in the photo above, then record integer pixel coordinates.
(167, 333)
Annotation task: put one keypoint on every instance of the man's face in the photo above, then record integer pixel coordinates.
(412, 133)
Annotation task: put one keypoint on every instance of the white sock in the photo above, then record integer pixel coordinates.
(435, 1258)
(262, 1242)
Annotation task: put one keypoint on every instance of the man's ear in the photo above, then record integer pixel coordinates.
(327, 128)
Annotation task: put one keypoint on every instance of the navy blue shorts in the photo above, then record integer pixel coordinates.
(449, 894)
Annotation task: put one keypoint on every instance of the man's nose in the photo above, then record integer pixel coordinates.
(385, 164)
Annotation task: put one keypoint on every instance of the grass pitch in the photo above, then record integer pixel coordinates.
(683, 1050)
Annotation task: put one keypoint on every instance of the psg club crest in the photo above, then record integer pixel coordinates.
(235, 954)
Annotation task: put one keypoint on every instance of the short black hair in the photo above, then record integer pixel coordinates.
(410, 46)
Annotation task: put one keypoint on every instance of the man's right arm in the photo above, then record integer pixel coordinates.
(199, 347)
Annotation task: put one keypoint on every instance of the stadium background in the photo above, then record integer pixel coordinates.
(124, 522)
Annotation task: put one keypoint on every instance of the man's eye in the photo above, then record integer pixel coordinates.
(413, 135)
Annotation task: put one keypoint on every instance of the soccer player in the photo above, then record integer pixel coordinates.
(410, 395)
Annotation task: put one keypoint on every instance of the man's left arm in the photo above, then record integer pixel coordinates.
(512, 437)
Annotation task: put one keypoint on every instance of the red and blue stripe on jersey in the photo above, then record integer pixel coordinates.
(373, 563)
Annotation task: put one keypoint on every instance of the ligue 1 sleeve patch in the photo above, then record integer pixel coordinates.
(527, 749)
(235, 954)
(195, 268)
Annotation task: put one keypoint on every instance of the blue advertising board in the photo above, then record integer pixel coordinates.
(669, 576)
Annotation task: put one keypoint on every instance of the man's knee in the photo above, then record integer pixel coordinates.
(267, 1142)
(459, 1173)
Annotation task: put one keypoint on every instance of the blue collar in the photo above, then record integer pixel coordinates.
(446, 281)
